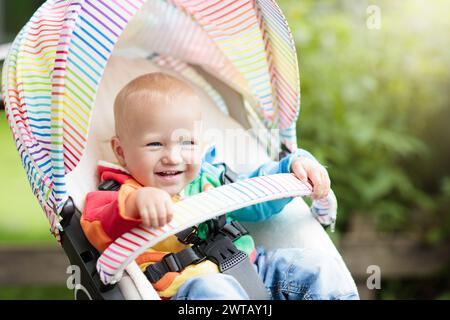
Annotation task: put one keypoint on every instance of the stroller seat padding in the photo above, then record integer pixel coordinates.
(295, 220)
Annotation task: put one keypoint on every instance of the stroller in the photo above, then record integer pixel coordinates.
(60, 79)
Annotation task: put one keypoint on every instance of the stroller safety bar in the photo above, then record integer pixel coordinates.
(194, 210)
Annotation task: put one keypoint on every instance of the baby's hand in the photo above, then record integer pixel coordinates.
(305, 168)
(154, 206)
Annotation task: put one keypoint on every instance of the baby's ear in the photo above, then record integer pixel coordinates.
(118, 150)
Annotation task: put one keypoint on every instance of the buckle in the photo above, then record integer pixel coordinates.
(188, 236)
(240, 227)
(223, 252)
(215, 225)
(171, 262)
(152, 273)
(109, 185)
(231, 232)
(156, 271)
(232, 261)
(234, 230)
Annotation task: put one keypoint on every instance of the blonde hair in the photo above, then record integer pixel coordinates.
(149, 89)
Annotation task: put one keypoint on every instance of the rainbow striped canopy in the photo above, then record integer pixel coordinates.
(54, 67)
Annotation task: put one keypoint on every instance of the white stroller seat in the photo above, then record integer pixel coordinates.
(295, 220)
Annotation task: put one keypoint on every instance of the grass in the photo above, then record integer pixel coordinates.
(21, 218)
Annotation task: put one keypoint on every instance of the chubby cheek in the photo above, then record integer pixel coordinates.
(141, 168)
(193, 162)
(192, 156)
(192, 172)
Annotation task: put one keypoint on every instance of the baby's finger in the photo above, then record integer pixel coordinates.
(299, 171)
(153, 216)
(326, 183)
(161, 213)
(169, 210)
(316, 179)
(143, 212)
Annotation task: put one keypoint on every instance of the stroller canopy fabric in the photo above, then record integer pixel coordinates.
(54, 67)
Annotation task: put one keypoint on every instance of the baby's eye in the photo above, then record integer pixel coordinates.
(187, 143)
(154, 144)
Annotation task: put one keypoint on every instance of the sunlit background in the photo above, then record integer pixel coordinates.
(375, 109)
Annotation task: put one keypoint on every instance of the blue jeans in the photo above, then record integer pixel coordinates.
(288, 274)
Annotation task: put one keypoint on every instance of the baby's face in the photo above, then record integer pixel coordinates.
(162, 146)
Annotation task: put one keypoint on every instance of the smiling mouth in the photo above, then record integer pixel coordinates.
(168, 173)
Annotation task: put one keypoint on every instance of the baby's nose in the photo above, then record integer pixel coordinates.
(173, 156)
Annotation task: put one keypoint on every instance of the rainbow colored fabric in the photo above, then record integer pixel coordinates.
(194, 210)
(53, 70)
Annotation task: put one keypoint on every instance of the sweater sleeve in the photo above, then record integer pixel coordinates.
(265, 210)
(257, 212)
(103, 220)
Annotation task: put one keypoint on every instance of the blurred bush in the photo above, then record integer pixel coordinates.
(375, 107)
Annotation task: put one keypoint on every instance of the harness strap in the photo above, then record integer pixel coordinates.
(109, 185)
(236, 263)
(189, 236)
(218, 248)
(234, 230)
(173, 262)
(216, 224)
(245, 273)
(229, 176)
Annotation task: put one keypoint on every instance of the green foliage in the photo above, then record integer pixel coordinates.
(436, 287)
(21, 218)
(12, 23)
(375, 107)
